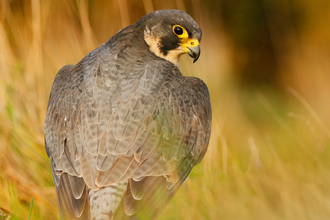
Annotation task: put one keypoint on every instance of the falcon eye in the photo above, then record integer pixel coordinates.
(178, 30)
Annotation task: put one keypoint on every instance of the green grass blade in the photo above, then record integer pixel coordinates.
(31, 207)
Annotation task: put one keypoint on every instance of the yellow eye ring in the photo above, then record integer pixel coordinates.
(180, 31)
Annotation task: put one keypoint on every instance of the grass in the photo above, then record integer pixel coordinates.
(269, 151)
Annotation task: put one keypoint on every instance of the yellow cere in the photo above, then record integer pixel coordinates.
(186, 43)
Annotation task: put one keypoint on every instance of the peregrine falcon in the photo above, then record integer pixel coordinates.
(124, 127)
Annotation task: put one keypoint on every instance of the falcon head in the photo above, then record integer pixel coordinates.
(172, 33)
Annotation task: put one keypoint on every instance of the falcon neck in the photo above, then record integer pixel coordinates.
(129, 37)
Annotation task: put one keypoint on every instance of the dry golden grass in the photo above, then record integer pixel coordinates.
(267, 159)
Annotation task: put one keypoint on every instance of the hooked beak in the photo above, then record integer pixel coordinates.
(194, 52)
(191, 47)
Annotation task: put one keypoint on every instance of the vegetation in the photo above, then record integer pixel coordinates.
(270, 146)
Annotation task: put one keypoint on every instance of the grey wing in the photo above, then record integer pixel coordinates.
(132, 134)
(180, 122)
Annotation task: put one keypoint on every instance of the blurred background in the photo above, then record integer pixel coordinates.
(267, 66)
